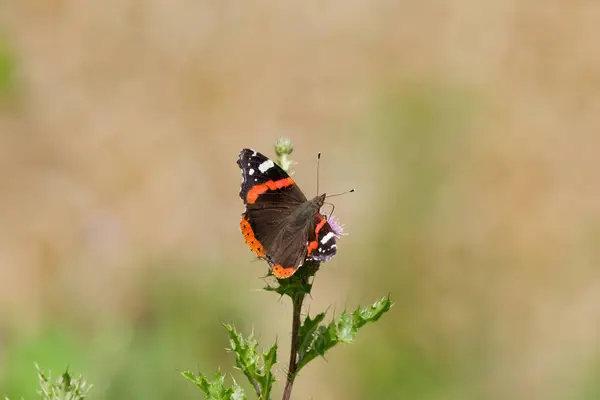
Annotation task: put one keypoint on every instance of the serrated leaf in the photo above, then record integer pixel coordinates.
(306, 334)
(290, 288)
(270, 357)
(372, 313)
(244, 349)
(215, 389)
(198, 380)
(346, 329)
(266, 381)
(343, 330)
(325, 338)
(298, 284)
(256, 367)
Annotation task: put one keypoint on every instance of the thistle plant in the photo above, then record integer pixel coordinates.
(311, 337)
(65, 387)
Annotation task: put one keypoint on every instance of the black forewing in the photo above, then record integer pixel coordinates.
(258, 169)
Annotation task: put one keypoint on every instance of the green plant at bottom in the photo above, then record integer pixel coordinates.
(65, 387)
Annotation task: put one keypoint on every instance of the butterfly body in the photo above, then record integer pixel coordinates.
(280, 225)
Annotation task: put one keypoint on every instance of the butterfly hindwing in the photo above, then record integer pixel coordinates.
(283, 238)
(288, 251)
(326, 244)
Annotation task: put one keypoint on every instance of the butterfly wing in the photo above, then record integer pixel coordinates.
(268, 225)
(300, 240)
(265, 184)
(324, 243)
(288, 250)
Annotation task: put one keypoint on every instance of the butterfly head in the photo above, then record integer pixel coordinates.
(319, 200)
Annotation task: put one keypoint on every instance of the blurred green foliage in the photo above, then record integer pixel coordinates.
(419, 130)
(137, 357)
(8, 68)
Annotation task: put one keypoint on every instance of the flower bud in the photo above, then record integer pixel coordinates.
(283, 146)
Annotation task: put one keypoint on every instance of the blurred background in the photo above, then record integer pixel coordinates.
(469, 129)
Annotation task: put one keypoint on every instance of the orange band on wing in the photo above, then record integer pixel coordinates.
(257, 190)
(281, 272)
(251, 240)
(315, 244)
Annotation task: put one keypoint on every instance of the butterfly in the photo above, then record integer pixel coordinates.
(280, 225)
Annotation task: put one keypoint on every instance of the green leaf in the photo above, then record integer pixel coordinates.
(64, 388)
(346, 328)
(293, 286)
(266, 381)
(290, 289)
(298, 284)
(198, 380)
(317, 341)
(361, 316)
(256, 367)
(215, 389)
(306, 334)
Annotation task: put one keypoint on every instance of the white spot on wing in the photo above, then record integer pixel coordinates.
(327, 237)
(251, 172)
(265, 166)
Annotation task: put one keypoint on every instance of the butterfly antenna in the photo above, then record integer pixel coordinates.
(318, 165)
(339, 194)
(333, 205)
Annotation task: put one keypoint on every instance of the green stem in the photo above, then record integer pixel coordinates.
(293, 367)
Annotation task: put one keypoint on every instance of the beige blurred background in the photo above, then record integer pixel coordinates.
(468, 128)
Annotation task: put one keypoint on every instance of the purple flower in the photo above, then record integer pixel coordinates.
(336, 227)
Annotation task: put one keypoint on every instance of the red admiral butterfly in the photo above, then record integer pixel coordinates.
(280, 225)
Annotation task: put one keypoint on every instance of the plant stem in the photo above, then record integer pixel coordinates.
(256, 388)
(297, 308)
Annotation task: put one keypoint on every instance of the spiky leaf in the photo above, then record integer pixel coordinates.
(255, 366)
(343, 330)
(215, 389)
